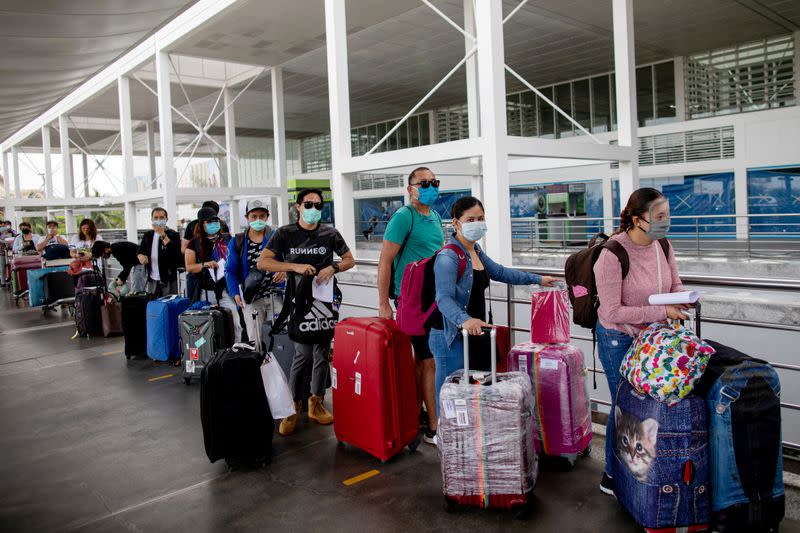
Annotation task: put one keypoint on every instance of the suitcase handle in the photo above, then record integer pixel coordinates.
(493, 342)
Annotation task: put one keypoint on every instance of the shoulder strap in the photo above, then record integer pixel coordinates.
(408, 235)
(239, 241)
(462, 258)
(286, 310)
(272, 232)
(665, 246)
(622, 255)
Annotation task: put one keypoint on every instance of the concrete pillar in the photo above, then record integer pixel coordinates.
(473, 103)
(165, 132)
(797, 66)
(279, 136)
(15, 167)
(48, 163)
(151, 152)
(66, 157)
(608, 205)
(232, 155)
(126, 146)
(339, 105)
(7, 202)
(680, 88)
(492, 90)
(740, 192)
(85, 164)
(625, 70)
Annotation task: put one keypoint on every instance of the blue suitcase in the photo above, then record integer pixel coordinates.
(163, 335)
(661, 460)
(36, 284)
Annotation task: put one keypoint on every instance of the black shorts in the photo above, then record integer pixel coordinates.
(421, 349)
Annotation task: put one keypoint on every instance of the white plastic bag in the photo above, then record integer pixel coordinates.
(281, 402)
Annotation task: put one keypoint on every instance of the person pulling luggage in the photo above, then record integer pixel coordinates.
(243, 253)
(461, 298)
(160, 253)
(307, 248)
(624, 309)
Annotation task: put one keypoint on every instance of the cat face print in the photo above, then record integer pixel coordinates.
(635, 442)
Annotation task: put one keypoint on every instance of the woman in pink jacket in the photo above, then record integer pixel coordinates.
(624, 309)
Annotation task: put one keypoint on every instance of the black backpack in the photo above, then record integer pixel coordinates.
(310, 321)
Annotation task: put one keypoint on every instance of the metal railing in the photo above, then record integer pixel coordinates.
(745, 283)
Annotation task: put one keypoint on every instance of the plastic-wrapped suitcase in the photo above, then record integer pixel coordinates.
(134, 323)
(88, 319)
(550, 315)
(374, 387)
(661, 466)
(202, 334)
(163, 339)
(485, 438)
(743, 399)
(36, 284)
(237, 423)
(563, 424)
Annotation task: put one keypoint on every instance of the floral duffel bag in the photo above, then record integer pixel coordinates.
(665, 360)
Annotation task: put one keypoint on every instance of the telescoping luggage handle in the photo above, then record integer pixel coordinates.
(258, 347)
(492, 341)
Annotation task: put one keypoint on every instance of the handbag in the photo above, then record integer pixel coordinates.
(276, 386)
(665, 361)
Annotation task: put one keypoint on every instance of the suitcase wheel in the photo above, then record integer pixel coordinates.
(128, 357)
(415, 443)
(587, 452)
(187, 381)
(450, 506)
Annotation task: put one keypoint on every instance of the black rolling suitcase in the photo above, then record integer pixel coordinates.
(134, 323)
(203, 333)
(237, 423)
(87, 313)
(58, 286)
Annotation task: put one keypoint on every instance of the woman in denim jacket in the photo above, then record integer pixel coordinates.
(461, 301)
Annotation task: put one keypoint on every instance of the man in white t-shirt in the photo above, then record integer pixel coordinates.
(160, 253)
(51, 236)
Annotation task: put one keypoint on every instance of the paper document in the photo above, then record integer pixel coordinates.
(218, 273)
(322, 291)
(673, 298)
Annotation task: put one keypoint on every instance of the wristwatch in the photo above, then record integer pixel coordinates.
(335, 267)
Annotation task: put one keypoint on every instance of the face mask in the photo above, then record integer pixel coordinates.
(25, 231)
(258, 225)
(428, 196)
(212, 228)
(312, 216)
(658, 230)
(160, 223)
(473, 231)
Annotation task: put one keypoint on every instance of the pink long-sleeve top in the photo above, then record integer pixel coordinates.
(623, 303)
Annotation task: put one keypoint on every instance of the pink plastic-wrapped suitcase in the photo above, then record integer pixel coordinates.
(563, 416)
(550, 315)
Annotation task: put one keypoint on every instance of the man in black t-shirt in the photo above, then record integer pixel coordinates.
(307, 249)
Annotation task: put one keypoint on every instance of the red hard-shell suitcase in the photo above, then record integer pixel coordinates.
(374, 387)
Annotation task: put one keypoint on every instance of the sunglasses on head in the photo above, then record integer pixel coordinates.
(427, 183)
(315, 205)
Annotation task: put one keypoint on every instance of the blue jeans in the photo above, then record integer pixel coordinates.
(448, 358)
(612, 345)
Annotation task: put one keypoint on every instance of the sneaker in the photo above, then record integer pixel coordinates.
(423, 419)
(288, 424)
(317, 411)
(607, 485)
(429, 436)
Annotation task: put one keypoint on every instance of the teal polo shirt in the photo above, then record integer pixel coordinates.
(425, 238)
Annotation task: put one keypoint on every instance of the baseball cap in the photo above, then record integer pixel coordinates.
(252, 205)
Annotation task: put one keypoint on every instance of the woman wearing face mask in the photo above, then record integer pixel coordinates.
(205, 257)
(624, 308)
(462, 301)
(26, 241)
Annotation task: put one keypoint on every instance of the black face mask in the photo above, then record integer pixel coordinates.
(26, 231)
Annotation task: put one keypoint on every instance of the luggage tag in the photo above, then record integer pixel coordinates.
(199, 342)
(548, 364)
(358, 383)
(190, 366)
(194, 354)
(523, 363)
(334, 379)
(449, 409)
(462, 418)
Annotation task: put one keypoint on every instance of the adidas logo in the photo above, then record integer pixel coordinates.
(319, 318)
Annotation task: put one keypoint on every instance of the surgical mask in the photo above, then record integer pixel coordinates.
(473, 231)
(258, 225)
(25, 231)
(161, 223)
(212, 228)
(658, 229)
(312, 216)
(428, 196)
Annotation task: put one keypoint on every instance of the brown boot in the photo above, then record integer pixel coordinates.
(288, 424)
(317, 411)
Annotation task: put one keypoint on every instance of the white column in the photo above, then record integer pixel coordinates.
(126, 145)
(66, 157)
(232, 156)
(473, 103)
(85, 165)
(15, 167)
(680, 88)
(48, 163)
(492, 87)
(165, 132)
(8, 205)
(339, 104)
(608, 205)
(740, 193)
(625, 70)
(279, 135)
(797, 66)
(151, 152)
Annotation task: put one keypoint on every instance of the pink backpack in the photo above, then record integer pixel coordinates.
(417, 300)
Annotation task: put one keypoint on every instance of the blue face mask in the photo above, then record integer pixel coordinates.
(473, 231)
(428, 196)
(212, 228)
(160, 223)
(258, 225)
(312, 216)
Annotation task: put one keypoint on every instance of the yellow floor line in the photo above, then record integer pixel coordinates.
(112, 353)
(361, 477)
(161, 377)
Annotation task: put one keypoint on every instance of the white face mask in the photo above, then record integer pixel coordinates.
(473, 231)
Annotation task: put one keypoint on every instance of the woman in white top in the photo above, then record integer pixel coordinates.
(26, 241)
(81, 244)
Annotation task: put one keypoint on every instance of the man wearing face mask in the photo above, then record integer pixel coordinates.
(307, 249)
(160, 253)
(243, 253)
(414, 232)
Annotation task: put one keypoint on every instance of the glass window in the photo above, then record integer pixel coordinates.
(644, 96)
(527, 102)
(665, 92)
(413, 131)
(513, 119)
(381, 132)
(564, 101)
(601, 105)
(424, 129)
(402, 136)
(581, 111)
(612, 87)
(391, 142)
(546, 114)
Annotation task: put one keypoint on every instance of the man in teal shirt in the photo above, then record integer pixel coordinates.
(414, 232)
